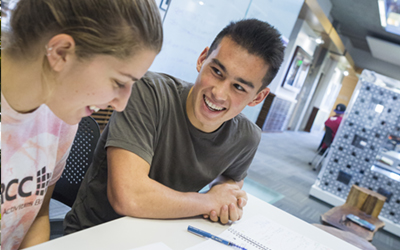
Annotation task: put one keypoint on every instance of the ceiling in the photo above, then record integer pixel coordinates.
(355, 21)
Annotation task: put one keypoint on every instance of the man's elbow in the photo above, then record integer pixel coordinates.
(118, 206)
(124, 205)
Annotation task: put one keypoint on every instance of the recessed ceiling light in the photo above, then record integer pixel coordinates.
(382, 12)
(201, 3)
(319, 40)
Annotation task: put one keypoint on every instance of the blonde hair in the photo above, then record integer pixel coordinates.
(111, 27)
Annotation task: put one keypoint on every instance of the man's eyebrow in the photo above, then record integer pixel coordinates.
(216, 61)
(250, 84)
(128, 75)
(239, 79)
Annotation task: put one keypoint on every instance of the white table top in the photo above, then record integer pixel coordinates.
(127, 232)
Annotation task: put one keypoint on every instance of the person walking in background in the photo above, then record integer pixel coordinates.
(333, 123)
(62, 60)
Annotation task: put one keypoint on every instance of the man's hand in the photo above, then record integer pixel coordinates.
(229, 211)
(225, 194)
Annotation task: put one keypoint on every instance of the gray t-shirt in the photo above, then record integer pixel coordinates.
(155, 127)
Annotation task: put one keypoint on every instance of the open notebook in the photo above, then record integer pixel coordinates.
(260, 233)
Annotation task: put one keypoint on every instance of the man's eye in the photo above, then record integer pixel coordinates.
(238, 87)
(216, 71)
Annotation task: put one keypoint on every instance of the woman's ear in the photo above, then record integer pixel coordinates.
(59, 50)
(259, 97)
(202, 57)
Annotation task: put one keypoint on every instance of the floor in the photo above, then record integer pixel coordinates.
(280, 175)
(281, 165)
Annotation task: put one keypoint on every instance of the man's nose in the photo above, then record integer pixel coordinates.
(221, 90)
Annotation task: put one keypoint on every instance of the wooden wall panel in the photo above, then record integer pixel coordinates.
(311, 119)
(265, 110)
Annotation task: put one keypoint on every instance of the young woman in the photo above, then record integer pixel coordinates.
(61, 61)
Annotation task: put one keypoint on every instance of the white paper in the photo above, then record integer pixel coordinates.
(154, 246)
(268, 234)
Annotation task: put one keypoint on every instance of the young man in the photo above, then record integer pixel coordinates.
(174, 137)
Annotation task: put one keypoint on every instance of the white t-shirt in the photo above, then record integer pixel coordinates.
(35, 147)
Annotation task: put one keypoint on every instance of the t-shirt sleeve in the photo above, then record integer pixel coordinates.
(237, 171)
(135, 128)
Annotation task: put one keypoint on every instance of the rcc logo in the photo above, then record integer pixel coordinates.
(21, 193)
(42, 182)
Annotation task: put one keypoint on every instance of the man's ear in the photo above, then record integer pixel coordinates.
(59, 50)
(259, 97)
(202, 57)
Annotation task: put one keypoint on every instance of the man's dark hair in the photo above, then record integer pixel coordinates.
(260, 39)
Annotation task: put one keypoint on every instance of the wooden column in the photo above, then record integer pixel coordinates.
(311, 119)
(366, 200)
(265, 109)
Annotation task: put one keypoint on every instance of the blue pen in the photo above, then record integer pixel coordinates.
(201, 233)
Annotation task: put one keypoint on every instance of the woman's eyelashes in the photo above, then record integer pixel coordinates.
(119, 85)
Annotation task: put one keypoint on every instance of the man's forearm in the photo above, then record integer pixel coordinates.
(132, 192)
(154, 200)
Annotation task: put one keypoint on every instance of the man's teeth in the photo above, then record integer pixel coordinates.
(211, 105)
(94, 108)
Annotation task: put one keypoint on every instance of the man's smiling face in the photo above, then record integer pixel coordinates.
(229, 79)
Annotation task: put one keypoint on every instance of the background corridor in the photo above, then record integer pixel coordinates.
(281, 165)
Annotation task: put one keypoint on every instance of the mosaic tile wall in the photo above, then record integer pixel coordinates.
(366, 149)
